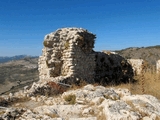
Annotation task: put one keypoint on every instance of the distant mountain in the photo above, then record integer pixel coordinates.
(18, 57)
(150, 54)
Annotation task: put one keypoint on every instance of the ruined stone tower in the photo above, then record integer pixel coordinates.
(67, 53)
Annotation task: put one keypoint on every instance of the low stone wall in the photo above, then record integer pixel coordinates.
(158, 66)
(136, 65)
(112, 69)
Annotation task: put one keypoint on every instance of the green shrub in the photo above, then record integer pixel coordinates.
(45, 43)
(71, 99)
(66, 45)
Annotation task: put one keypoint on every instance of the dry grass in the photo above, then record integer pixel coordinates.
(11, 101)
(151, 83)
(79, 85)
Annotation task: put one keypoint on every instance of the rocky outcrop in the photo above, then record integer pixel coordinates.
(68, 57)
(88, 103)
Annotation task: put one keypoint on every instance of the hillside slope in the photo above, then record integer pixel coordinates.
(150, 54)
(16, 74)
(17, 57)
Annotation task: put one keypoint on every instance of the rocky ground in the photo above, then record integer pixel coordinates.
(87, 103)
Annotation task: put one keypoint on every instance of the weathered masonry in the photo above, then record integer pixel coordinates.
(136, 65)
(68, 53)
(68, 56)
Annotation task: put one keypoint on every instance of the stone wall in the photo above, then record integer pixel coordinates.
(112, 69)
(136, 65)
(67, 53)
(68, 57)
(158, 66)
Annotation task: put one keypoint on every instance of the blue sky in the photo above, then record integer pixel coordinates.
(118, 24)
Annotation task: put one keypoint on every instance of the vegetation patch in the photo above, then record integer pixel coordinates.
(151, 83)
(66, 45)
(71, 99)
(11, 101)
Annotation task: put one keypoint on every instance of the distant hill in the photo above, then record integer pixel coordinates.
(18, 57)
(150, 54)
(15, 74)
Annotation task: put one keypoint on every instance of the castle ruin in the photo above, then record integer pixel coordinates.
(68, 57)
